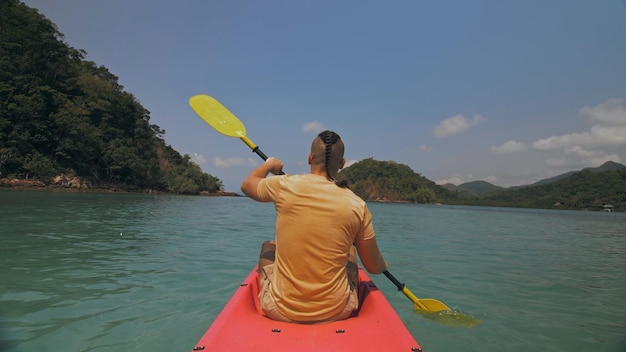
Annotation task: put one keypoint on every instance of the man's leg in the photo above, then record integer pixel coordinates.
(268, 254)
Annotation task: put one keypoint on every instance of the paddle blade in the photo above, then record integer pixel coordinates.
(430, 305)
(217, 115)
(425, 304)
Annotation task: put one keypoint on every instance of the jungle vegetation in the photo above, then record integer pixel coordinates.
(63, 114)
(588, 189)
(583, 190)
(390, 181)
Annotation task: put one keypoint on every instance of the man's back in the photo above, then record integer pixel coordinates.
(317, 223)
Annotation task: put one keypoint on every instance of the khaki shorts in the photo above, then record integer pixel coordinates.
(269, 306)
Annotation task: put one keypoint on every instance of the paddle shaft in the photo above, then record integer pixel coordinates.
(255, 148)
(395, 281)
(259, 153)
(401, 287)
(262, 155)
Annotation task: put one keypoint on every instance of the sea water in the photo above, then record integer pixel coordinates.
(131, 272)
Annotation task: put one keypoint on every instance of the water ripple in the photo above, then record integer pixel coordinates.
(102, 272)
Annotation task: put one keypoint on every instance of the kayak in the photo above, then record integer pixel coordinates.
(242, 326)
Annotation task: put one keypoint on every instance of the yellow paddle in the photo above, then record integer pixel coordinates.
(425, 304)
(226, 123)
(222, 120)
(434, 309)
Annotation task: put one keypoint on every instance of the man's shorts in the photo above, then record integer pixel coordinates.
(269, 306)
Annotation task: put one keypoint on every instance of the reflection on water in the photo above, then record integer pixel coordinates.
(452, 318)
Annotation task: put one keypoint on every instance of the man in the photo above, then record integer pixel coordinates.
(308, 275)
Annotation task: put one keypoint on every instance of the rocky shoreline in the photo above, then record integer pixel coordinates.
(76, 184)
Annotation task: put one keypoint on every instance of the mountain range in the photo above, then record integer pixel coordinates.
(484, 188)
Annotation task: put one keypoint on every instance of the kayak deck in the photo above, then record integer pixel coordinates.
(242, 326)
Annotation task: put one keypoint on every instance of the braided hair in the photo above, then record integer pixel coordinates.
(330, 138)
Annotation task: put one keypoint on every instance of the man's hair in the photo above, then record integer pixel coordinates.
(333, 153)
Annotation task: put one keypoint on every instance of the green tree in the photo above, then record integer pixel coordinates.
(387, 180)
(62, 114)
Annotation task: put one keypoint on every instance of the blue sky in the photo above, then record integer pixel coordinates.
(509, 92)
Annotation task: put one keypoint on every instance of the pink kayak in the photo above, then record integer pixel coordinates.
(242, 326)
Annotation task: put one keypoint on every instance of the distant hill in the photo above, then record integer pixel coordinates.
(607, 166)
(588, 189)
(473, 189)
(388, 181)
(550, 180)
(483, 187)
(479, 187)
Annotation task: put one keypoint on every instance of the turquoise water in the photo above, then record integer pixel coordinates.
(124, 272)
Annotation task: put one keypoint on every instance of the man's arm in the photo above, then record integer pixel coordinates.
(370, 255)
(251, 182)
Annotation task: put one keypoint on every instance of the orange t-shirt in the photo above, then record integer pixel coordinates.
(316, 224)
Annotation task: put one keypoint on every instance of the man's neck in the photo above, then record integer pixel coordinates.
(321, 172)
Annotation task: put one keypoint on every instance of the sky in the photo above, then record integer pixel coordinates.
(510, 92)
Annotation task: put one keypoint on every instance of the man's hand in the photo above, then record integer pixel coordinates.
(274, 165)
(251, 182)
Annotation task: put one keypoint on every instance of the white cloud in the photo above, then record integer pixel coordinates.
(456, 124)
(609, 130)
(509, 147)
(610, 112)
(609, 135)
(579, 157)
(602, 139)
(225, 163)
(453, 180)
(198, 159)
(580, 152)
(425, 148)
(458, 180)
(491, 179)
(313, 126)
(558, 142)
(600, 143)
(350, 162)
(581, 162)
(599, 136)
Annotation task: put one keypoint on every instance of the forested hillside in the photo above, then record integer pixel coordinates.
(589, 189)
(63, 115)
(583, 190)
(474, 188)
(389, 181)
